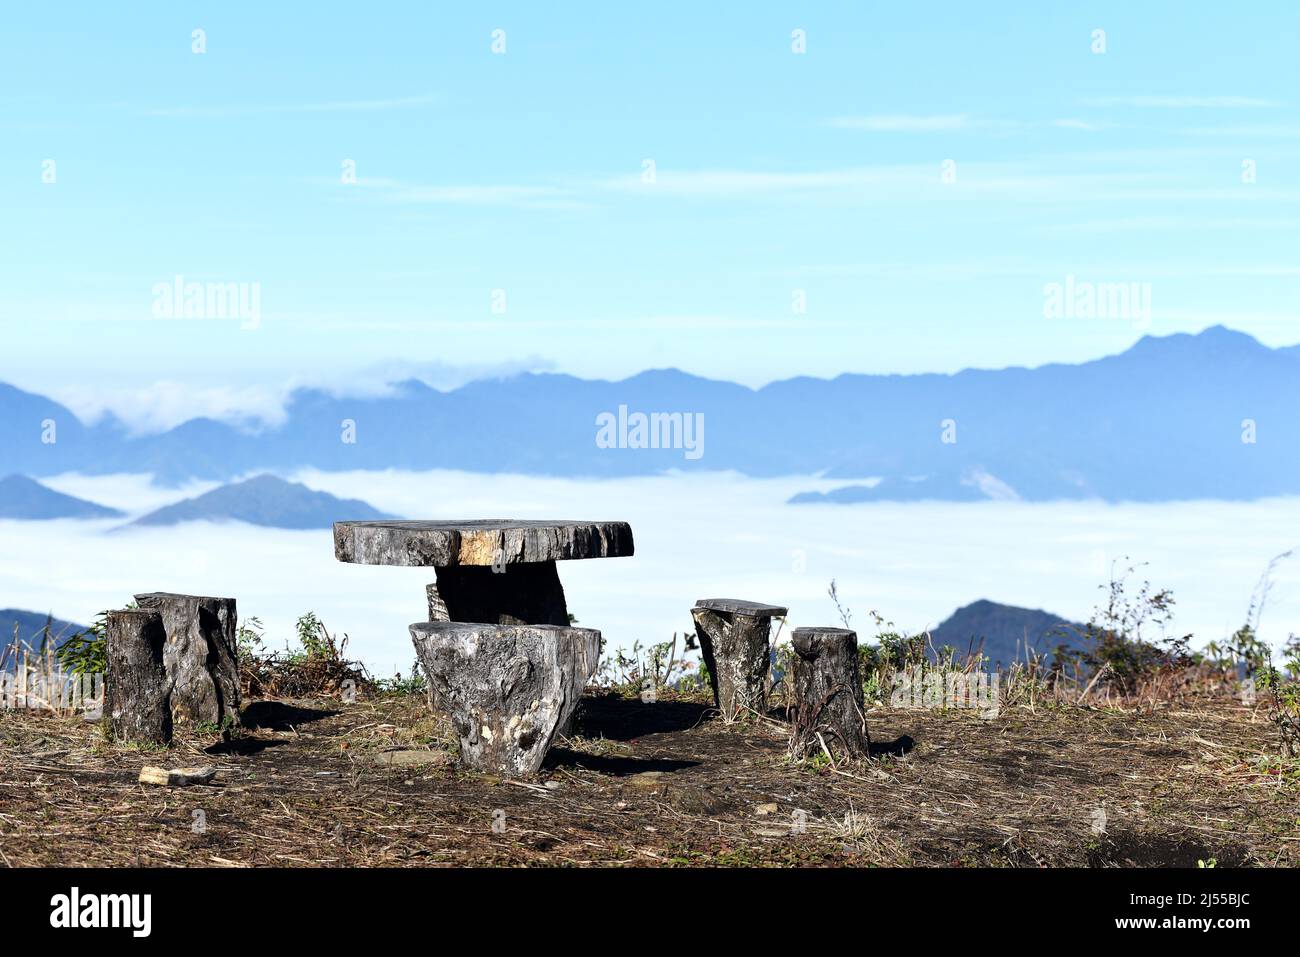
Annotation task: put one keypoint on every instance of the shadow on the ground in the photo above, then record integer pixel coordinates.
(613, 766)
(243, 746)
(278, 716)
(1131, 849)
(622, 719)
(896, 748)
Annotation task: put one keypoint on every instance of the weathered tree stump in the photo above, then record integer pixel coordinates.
(200, 657)
(528, 593)
(136, 692)
(508, 689)
(734, 639)
(827, 701)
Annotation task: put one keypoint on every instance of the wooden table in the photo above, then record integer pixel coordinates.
(501, 658)
(494, 571)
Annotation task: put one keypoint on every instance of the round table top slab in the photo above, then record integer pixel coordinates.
(478, 542)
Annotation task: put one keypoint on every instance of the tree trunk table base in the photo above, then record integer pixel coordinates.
(525, 594)
(826, 686)
(508, 689)
(734, 638)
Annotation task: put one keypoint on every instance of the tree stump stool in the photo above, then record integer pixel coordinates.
(136, 701)
(508, 689)
(826, 687)
(174, 654)
(734, 638)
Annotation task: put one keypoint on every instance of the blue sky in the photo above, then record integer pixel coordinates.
(522, 171)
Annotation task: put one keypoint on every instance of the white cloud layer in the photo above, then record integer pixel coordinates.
(914, 563)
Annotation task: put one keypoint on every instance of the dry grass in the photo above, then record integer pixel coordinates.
(663, 784)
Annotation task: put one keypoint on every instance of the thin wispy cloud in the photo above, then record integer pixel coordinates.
(721, 183)
(1263, 270)
(158, 406)
(575, 193)
(484, 195)
(885, 183)
(1182, 102)
(1167, 223)
(1015, 182)
(914, 271)
(899, 123)
(949, 123)
(162, 405)
(514, 195)
(334, 106)
(1267, 130)
(1070, 123)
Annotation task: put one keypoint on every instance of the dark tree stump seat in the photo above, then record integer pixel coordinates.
(734, 636)
(135, 687)
(826, 685)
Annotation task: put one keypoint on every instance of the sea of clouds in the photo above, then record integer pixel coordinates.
(697, 536)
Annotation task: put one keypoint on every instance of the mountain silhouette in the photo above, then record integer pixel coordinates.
(29, 626)
(27, 499)
(1005, 634)
(265, 500)
(1178, 417)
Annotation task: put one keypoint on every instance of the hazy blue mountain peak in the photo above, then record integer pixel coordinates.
(27, 499)
(265, 500)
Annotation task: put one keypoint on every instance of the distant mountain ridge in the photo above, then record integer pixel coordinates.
(27, 499)
(30, 629)
(1212, 415)
(1005, 634)
(267, 501)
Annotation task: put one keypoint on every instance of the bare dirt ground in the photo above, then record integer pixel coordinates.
(320, 783)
